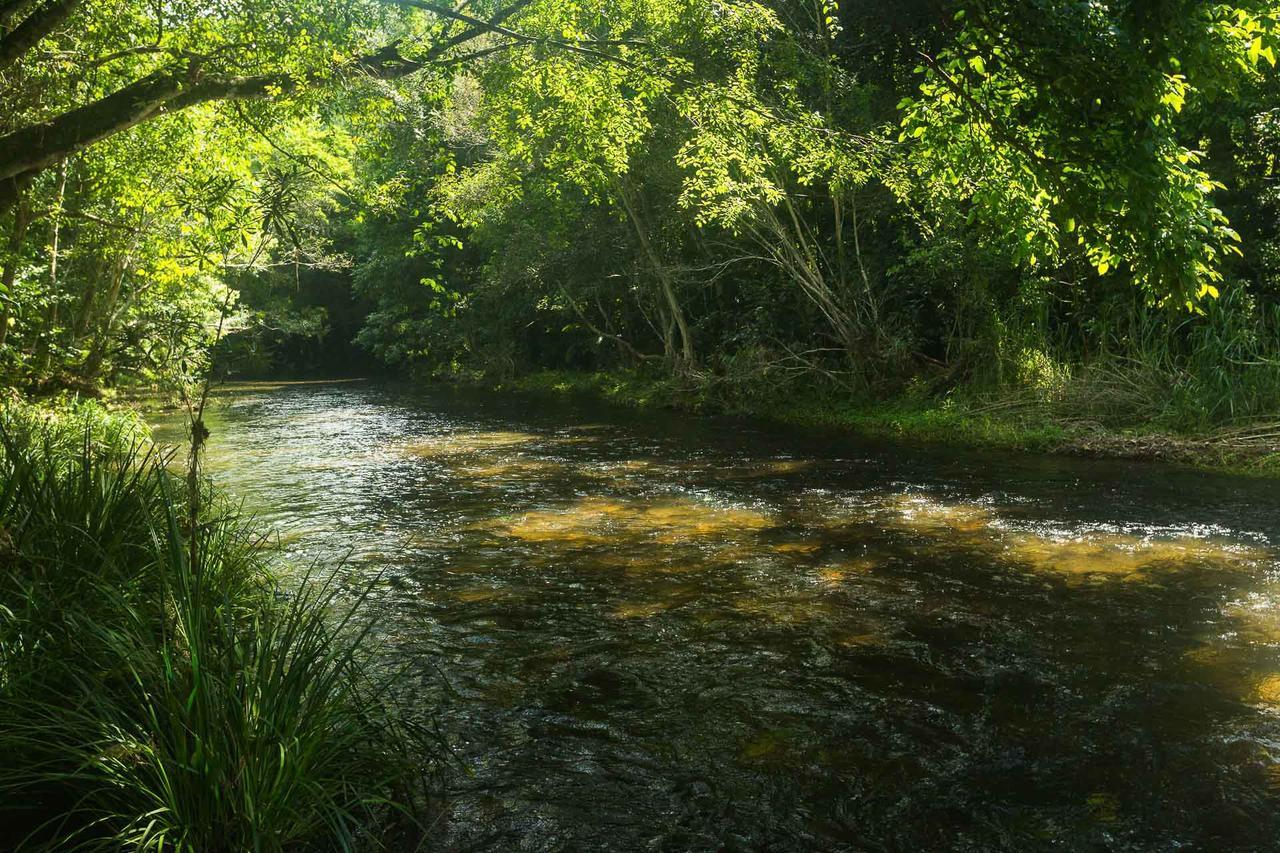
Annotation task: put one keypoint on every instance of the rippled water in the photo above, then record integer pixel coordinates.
(668, 633)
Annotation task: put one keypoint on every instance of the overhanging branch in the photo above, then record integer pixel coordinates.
(35, 147)
(40, 145)
(33, 29)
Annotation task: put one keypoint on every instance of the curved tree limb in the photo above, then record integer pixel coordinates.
(28, 150)
(10, 9)
(33, 29)
(39, 146)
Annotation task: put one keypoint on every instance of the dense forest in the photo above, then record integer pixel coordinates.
(1019, 222)
(1060, 203)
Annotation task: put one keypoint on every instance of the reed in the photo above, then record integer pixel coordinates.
(147, 703)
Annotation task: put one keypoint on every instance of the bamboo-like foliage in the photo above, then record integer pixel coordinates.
(148, 706)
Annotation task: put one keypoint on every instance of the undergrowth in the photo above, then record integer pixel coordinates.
(1115, 407)
(147, 703)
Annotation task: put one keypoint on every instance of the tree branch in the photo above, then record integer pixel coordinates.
(36, 147)
(10, 9)
(33, 29)
(40, 145)
(464, 58)
(477, 26)
(997, 128)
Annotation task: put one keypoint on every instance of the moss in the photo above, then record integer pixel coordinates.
(955, 421)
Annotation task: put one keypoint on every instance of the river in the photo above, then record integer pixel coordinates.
(651, 631)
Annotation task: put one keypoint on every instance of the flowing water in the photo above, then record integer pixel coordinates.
(659, 632)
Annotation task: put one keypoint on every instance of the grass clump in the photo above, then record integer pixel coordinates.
(1111, 409)
(149, 703)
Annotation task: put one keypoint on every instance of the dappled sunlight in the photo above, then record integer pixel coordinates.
(748, 552)
(581, 523)
(1123, 556)
(932, 517)
(474, 595)
(461, 443)
(641, 609)
(590, 593)
(1205, 654)
(782, 609)
(682, 534)
(761, 469)
(1232, 669)
(902, 512)
(836, 574)
(570, 440)
(1256, 618)
(645, 560)
(624, 469)
(1239, 655)
(1266, 691)
(1074, 554)
(795, 547)
(789, 426)
(666, 521)
(679, 519)
(508, 468)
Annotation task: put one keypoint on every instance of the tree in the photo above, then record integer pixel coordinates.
(1059, 128)
(74, 74)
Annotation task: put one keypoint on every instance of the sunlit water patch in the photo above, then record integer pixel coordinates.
(666, 633)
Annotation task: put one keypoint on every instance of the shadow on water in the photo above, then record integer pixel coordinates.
(669, 633)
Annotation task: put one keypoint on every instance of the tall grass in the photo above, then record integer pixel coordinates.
(1173, 370)
(149, 704)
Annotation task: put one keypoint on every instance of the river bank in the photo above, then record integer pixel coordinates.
(1015, 423)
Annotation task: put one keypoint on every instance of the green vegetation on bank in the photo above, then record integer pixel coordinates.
(161, 688)
(1039, 224)
(1035, 423)
(1057, 209)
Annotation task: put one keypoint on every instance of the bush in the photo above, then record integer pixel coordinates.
(147, 703)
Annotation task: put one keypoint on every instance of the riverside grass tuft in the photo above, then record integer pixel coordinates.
(1115, 409)
(146, 704)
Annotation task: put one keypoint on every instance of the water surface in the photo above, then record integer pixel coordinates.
(657, 632)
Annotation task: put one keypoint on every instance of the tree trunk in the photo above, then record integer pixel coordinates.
(10, 9)
(36, 147)
(84, 313)
(41, 349)
(873, 311)
(785, 243)
(98, 349)
(686, 357)
(21, 219)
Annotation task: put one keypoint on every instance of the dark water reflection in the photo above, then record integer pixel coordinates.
(672, 633)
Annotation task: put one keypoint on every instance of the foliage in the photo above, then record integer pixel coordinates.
(1001, 197)
(147, 704)
(1067, 126)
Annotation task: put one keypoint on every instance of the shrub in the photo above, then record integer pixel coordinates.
(150, 704)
